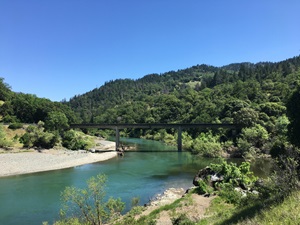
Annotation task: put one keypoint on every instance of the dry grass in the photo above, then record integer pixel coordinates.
(14, 135)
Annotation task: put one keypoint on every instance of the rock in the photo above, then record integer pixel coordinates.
(202, 175)
(207, 174)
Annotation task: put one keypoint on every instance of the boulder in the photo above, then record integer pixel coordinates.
(207, 174)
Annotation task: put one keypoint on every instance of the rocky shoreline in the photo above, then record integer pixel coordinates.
(17, 163)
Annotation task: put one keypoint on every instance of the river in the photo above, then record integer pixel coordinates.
(34, 198)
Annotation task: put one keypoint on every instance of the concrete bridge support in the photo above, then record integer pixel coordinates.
(179, 139)
(117, 138)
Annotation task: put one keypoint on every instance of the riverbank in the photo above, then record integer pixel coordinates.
(173, 203)
(17, 163)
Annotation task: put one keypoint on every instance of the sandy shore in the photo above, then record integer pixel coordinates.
(31, 162)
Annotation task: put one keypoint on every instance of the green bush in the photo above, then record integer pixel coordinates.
(252, 140)
(182, 219)
(204, 188)
(207, 145)
(228, 193)
(235, 174)
(4, 142)
(135, 201)
(10, 119)
(88, 204)
(35, 136)
(75, 140)
(187, 141)
(15, 126)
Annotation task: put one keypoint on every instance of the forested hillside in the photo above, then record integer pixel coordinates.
(46, 119)
(198, 94)
(253, 95)
(28, 108)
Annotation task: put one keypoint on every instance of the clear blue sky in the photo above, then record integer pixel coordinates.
(60, 48)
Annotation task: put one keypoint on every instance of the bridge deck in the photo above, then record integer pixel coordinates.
(154, 125)
(178, 126)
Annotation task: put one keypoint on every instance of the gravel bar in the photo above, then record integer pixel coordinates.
(46, 160)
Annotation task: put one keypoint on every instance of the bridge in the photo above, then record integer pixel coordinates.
(179, 126)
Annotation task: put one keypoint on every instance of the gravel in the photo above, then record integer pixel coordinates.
(45, 160)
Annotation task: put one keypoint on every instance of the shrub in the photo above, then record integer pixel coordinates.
(9, 119)
(286, 175)
(187, 141)
(76, 140)
(207, 145)
(232, 177)
(235, 174)
(228, 193)
(252, 140)
(135, 201)
(4, 142)
(36, 137)
(88, 204)
(204, 188)
(182, 220)
(15, 126)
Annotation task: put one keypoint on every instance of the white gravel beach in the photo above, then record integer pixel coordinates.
(45, 160)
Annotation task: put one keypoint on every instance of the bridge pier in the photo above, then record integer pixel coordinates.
(179, 139)
(117, 138)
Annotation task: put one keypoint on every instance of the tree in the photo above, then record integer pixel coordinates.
(256, 135)
(293, 109)
(246, 117)
(56, 121)
(5, 91)
(88, 204)
(272, 109)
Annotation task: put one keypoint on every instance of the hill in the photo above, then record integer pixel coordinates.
(147, 99)
(253, 95)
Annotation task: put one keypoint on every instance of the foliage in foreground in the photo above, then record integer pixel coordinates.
(226, 179)
(277, 201)
(88, 206)
(285, 213)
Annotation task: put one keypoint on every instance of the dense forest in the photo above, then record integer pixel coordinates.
(253, 95)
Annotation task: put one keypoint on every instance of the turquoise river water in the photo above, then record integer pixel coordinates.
(34, 198)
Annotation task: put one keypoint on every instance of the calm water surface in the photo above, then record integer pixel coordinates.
(34, 198)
